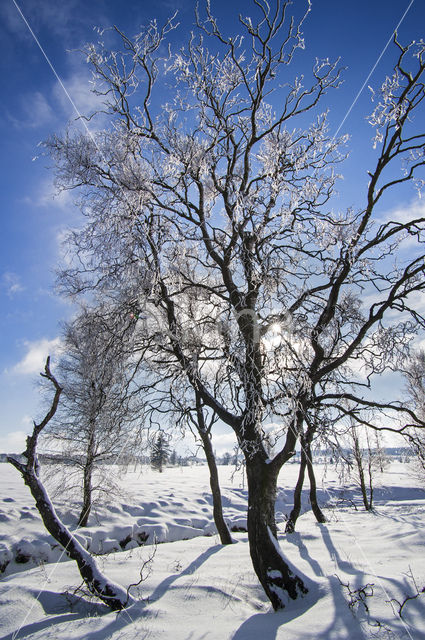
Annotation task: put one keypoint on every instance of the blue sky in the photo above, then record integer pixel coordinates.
(34, 105)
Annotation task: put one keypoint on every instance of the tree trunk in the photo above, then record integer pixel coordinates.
(220, 523)
(293, 516)
(87, 494)
(278, 580)
(306, 462)
(366, 502)
(370, 481)
(360, 469)
(313, 487)
(204, 432)
(112, 594)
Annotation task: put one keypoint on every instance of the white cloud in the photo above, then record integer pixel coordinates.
(223, 442)
(47, 195)
(78, 95)
(420, 344)
(13, 442)
(59, 18)
(406, 213)
(35, 358)
(13, 22)
(411, 211)
(11, 282)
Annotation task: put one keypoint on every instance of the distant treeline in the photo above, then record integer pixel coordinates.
(185, 461)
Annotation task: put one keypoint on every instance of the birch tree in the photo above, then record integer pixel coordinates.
(98, 421)
(209, 204)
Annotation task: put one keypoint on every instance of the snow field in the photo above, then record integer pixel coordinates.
(198, 589)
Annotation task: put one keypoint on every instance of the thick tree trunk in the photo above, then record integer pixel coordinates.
(220, 523)
(293, 516)
(112, 594)
(278, 580)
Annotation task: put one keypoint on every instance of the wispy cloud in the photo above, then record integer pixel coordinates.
(57, 18)
(11, 283)
(47, 195)
(12, 21)
(79, 88)
(407, 212)
(34, 112)
(35, 357)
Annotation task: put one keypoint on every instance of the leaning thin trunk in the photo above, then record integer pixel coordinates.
(88, 474)
(366, 502)
(306, 462)
(293, 516)
(278, 580)
(370, 482)
(220, 523)
(360, 469)
(313, 487)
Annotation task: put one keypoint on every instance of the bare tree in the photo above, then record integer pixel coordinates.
(415, 380)
(221, 197)
(178, 404)
(363, 466)
(112, 594)
(359, 453)
(98, 422)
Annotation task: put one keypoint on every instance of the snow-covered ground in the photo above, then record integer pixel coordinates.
(198, 589)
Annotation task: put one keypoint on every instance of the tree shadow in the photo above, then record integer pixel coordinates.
(341, 625)
(140, 610)
(295, 539)
(117, 621)
(344, 624)
(57, 608)
(344, 565)
(35, 627)
(163, 587)
(266, 625)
